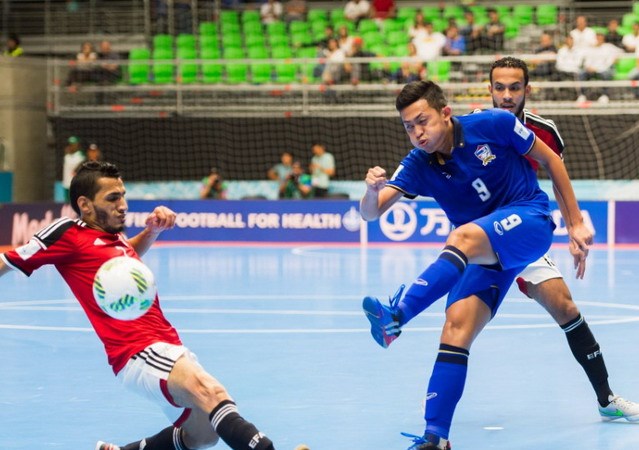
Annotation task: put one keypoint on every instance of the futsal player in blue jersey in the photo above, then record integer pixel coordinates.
(474, 167)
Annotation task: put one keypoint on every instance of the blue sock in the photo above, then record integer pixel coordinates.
(445, 388)
(433, 283)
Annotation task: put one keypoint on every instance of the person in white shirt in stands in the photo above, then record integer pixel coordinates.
(630, 41)
(356, 10)
(584, 36)
(569, 61)
(599, 64)
(429, 44)
(271, 11)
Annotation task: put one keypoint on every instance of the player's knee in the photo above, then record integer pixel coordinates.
(209, 391)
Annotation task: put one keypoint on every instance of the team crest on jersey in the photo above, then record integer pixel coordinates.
(485, 154)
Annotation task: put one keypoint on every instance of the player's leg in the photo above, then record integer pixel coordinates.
(471, 305)
(191, 386)
(170, 438)
(543, 282)
(465, 244)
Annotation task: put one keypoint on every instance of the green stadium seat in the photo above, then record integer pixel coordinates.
(431, 13)
(254, 40)
(236, 72)
(337, 15)
(372, 39)
(185, 41)
(229, 16)
(261, 73)
(317, 14)
(523, 14)
(453, 11)
(297, 26)
(350, 26)
(511, 26)
(139, 66)
(251, 16)
(391, 25)
(230, 27)
(628, 19)
(211, 71)
(635, 8)
(207, 28)
(286, 73)
(623, 67)
(253, 28)
(406, 13)
(306, 52)
(257, 53)
(163, 41)
(278, 40)
(209, 42)
(367, 25)
(231, 40)
(300, 39)
(163, 66)
(438, 70)
(503, 10)
(187, 69)
(395, 38)
(317, 28)
(281, 52)
(278, 28)
(547, 14)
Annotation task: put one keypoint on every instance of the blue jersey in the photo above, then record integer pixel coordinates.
(486, 171)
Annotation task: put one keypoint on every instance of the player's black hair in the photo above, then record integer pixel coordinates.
(85, 181)
(510, 62)
(418, 90)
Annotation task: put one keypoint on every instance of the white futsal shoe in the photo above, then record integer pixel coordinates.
(106, 446)
(619, 408)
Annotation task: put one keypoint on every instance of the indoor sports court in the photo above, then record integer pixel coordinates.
(282, 328)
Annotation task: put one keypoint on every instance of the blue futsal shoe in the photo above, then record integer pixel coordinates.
(428, 442)
(384, 319)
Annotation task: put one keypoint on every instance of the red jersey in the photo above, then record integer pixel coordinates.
(77, 252)
(546, 130)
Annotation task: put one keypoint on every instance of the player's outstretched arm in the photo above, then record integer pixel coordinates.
(162, 218)
(378, 197)
(580, 235)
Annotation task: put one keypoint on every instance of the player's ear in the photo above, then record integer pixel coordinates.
(527, 89)
(84, 204)
(447, 111)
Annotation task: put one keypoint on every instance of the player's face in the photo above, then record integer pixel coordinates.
(108, 209)
(509, 89)
(429, 130)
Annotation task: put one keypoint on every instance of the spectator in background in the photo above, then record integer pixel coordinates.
(183, 16)
(94, 153)
(418, 28)
(356, 10)
(493, 33)
(471, 32)
(73, 157)
(455, 43)
(583, 36)
(382, 10)
(358, 71)
(344, 40)
(612, 33)
(213, 186)
(411, 70)
(429, 45)
(544, 68)
(295, 10)
(271, 11)
(13, 48)
(297, 184)
(599, 64)
(569, 61)
(630, 40)
(280, 171)
(334, 63)
(84, 69)
(109, 72)
(322, 168)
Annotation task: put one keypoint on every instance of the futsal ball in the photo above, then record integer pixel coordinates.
(124, 288)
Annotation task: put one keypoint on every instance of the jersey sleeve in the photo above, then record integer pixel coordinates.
(513, 131)
(404, 178)
(51, 245)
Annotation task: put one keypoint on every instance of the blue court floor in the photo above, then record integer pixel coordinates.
(282, 328)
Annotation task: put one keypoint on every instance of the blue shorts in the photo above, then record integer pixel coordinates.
(519, 234)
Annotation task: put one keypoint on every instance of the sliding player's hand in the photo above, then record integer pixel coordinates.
(162, 218)
(375, 179)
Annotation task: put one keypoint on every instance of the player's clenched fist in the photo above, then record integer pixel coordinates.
(376, 178)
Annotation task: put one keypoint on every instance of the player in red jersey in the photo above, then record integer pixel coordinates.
(542, 280)
(146, 353)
